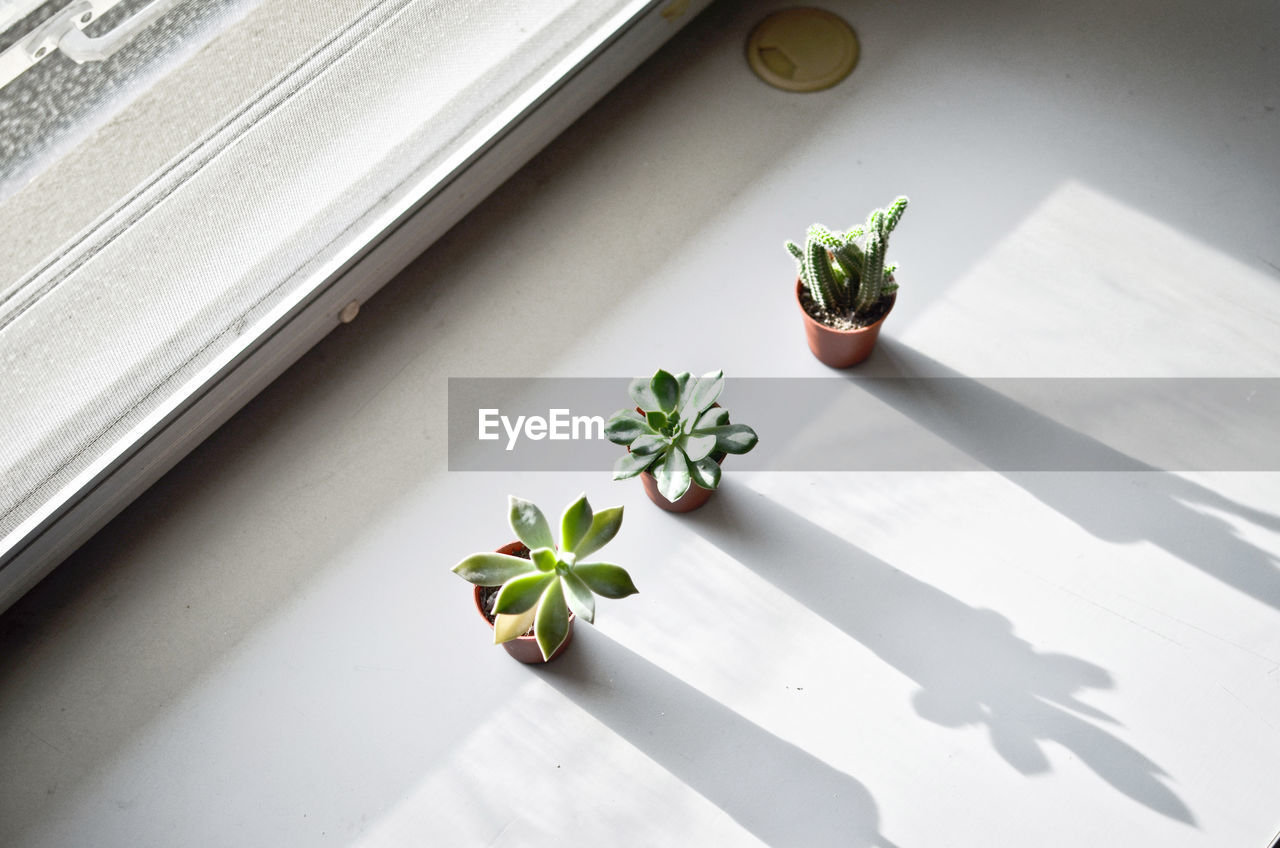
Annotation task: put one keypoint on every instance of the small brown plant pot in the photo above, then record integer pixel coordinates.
(838, 348)
(523, 648)
(688, 502)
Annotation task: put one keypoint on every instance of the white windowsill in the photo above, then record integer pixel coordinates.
(268, 646)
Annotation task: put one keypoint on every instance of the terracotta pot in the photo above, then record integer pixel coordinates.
(688, 502)
(523, 648)
(839, 348)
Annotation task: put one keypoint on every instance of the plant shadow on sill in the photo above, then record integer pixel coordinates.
(1108, 505)
(969, 665)
(778, 792)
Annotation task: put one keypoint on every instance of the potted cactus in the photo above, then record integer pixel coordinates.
(676, 437)
(845, 289)
(530, 591)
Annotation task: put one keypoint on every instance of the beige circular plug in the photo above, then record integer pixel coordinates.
(802, 49)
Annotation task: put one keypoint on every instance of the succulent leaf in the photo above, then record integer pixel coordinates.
(696, 446)
(631, 464)
(706, 473)
(625, 425)
(508, 627)
(713, 417)
(704, 393)
(732, 438)
(579, 596)
(544, 559)
(666, 389)
(641, 394)
(649, 445)
(575, 523)
(604, 526)
(529, 524)
(551, 625)
(605, 579)
(492, 569)
(520, 593)
(656, 419)
(672, 475)
(682, 381)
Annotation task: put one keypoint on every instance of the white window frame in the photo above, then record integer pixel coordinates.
(371, 257)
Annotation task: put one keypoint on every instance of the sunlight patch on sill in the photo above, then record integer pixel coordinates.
(1088, 286)
(542, 770)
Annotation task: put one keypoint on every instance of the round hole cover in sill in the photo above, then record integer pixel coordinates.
(802, 49)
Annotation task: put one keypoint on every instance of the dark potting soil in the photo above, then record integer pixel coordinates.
(841, 322)
(489, 593)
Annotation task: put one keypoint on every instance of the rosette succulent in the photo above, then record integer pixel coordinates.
(677, 432)
(540, 591)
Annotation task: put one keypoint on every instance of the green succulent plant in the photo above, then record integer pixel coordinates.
(540, 591)
(847, 279)
(679, 434)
